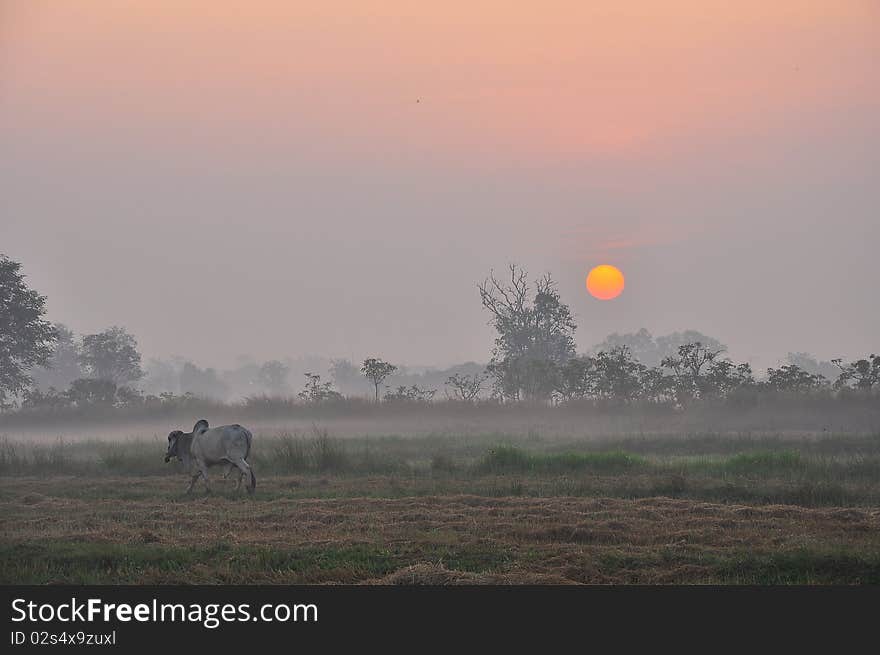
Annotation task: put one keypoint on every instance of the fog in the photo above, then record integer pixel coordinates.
(284, 184)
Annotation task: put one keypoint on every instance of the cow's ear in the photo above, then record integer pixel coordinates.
(173, 435)
(200, 426)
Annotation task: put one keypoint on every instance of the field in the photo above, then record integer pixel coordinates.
(446, 508)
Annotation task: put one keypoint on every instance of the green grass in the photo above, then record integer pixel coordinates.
(800, 567)
(763, 461)
(101, 563)
(19, 459)
(296, 454)
(803, 566)
(833, 470)
(510, 458)
(291, 453)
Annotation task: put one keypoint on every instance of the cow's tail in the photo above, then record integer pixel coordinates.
(249, 438)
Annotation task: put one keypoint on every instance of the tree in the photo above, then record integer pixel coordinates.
(699, 372)
(26, 339)
(618, 376)
(688, 369)
(413, 393)
(577, 379)
(465, 387)
(91, 392)
(863, 374)
(112, 355)
(810, 364)
(243, 380)
(161, 376)
(670, 344)
(51, 399)
(652, 351)
(273, 376)
(534, 340)
(641, 345)
(376, 370)
(347, 378)
(723, 377)
(129, 397)
(657, 386)
(317, 392)
(793, 378)
(202, 382)
(64, 366)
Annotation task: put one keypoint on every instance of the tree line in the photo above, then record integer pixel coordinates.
(533, 359)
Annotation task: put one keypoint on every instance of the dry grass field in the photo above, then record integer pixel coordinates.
(447, 509)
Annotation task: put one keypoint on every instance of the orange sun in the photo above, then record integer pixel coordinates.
(605, 282)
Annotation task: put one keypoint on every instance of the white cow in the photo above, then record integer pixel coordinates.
(204, 447)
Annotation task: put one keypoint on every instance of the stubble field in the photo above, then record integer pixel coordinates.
(451, 509)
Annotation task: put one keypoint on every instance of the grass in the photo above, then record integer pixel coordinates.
(291, 453)
(806, 471)
(451, 508)
(96, 563)
(763, 462)
(507, 539)
(510, 458)
(800, 567)
(221, 562)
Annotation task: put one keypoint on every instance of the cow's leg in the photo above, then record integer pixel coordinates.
(192, 482)
(229, 469)
(233, 467)
(203, 470)
(244, 473)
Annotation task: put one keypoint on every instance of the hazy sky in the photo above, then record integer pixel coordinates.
(281, 178)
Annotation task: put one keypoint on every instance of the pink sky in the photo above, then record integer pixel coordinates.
(724, 154)
(521, 80)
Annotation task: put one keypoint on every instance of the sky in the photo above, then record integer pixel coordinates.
(281, 179)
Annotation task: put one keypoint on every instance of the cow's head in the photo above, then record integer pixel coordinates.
(173, 446)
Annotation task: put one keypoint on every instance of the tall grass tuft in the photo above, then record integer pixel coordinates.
(10, 459)
(289, 454)
(137, 458)
(293, 453)
(36, 460)
(329, 455)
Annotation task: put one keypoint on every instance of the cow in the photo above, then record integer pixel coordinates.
(203, 447)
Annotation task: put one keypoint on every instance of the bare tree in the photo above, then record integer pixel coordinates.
(534, 339)
(465, 387)
(316, 391)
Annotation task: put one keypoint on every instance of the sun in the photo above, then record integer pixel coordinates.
(605, 282)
